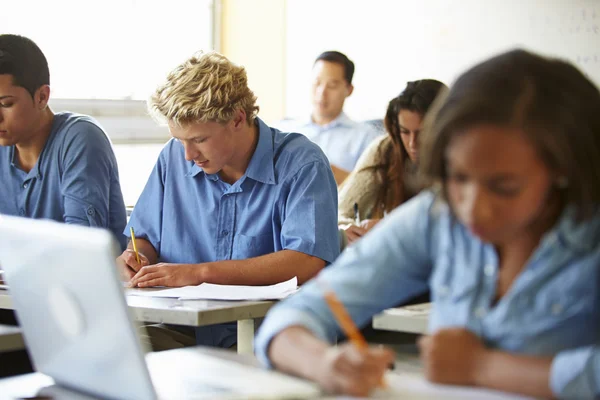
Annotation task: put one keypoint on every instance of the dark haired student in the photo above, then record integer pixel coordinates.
(58, 166)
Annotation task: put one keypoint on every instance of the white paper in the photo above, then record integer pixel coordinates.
(209, 291)
(412, 386)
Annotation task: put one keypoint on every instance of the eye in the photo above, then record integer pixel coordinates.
(199, 140)
(457, 177)
(505, 190)
(6, 105)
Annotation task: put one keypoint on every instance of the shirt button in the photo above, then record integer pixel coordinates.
(224, 233)
(21, 212)
(25, 185)
(90, 211)
(488, 270)
(480, 312)
(556, 309)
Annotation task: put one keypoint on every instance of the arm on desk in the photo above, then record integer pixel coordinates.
(264, 270)
(456, 356)
(341, 369)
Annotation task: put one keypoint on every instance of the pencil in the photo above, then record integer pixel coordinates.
(345, 321)
(356, 215)
(137, 255)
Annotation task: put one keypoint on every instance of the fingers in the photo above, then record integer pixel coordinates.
(144, 275)
(353, 233)
(361, 371)
(130, 260)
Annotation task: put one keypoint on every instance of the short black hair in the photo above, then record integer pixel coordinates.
(23, 59)
(338, 58)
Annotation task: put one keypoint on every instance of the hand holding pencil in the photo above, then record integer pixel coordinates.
(356, 359)
(131, 260)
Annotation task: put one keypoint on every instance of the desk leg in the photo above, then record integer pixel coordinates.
(245, 336)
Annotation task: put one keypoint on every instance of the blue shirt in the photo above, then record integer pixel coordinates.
(75, 180)
(342, 140)
(552, 308)
(286, 200)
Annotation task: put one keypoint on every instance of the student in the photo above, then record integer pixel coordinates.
(230, 200)
(57, 166)
(385, 175)
(342, 139)
(508, 246)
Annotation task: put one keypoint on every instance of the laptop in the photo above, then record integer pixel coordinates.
(78, 329)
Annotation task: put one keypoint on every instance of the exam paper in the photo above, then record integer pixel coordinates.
(210, 291)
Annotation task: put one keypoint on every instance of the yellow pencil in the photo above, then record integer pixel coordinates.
(348, 326)
(137, 255)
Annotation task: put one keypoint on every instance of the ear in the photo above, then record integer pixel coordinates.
(350, 90)
(42, 95)
(239, 118)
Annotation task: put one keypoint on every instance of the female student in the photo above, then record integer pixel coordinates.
(509, 244)
(385, 175)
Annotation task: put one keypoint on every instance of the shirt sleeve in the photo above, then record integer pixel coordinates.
(575, 373)
(390, 265)
(361, 187)
(146, 218)
(309, 221)
(88, 163)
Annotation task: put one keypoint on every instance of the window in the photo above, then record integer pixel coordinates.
(111, 49)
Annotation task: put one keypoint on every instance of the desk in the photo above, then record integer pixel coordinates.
(405, 385)
(192, 313)
(10, 339)
(412, 319)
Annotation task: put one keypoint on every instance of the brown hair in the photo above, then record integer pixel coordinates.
(417, 97)
(550, 100)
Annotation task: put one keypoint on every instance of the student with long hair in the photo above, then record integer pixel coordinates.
(507, 241)
(385, 175)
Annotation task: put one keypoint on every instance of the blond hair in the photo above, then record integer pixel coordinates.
(206, 87)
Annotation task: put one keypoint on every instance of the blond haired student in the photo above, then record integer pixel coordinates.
(230, 200)
(508, 244)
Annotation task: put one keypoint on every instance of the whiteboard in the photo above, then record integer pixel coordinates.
(395, 41)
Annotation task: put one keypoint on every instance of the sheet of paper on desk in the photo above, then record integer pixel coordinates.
(209, 291)
(413, 386)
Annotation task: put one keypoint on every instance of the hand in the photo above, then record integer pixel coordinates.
(128, 265)
(368, 224)
(170, 275)
(348, 370)
(452, 356)
(353, 233)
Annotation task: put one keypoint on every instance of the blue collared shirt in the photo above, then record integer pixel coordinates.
(286, 200)
(342, 140)
(75, 180)
(552, 308)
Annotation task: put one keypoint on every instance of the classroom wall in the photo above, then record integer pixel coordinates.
(394, 41)
(253, 35)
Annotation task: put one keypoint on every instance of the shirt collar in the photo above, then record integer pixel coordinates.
(576, 236)
(261, 167)
(341, 120)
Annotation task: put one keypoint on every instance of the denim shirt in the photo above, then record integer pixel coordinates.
(552, 308)
(75, 180)
(286, 200)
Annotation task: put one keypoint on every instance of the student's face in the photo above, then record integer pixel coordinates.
(497, 185)
(410, 124)
(329, 89)
(19, 115)
(211, 145)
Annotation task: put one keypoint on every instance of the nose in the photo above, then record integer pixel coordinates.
(476, 205)
(412, 141)
(190, 152)
(320, 92)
